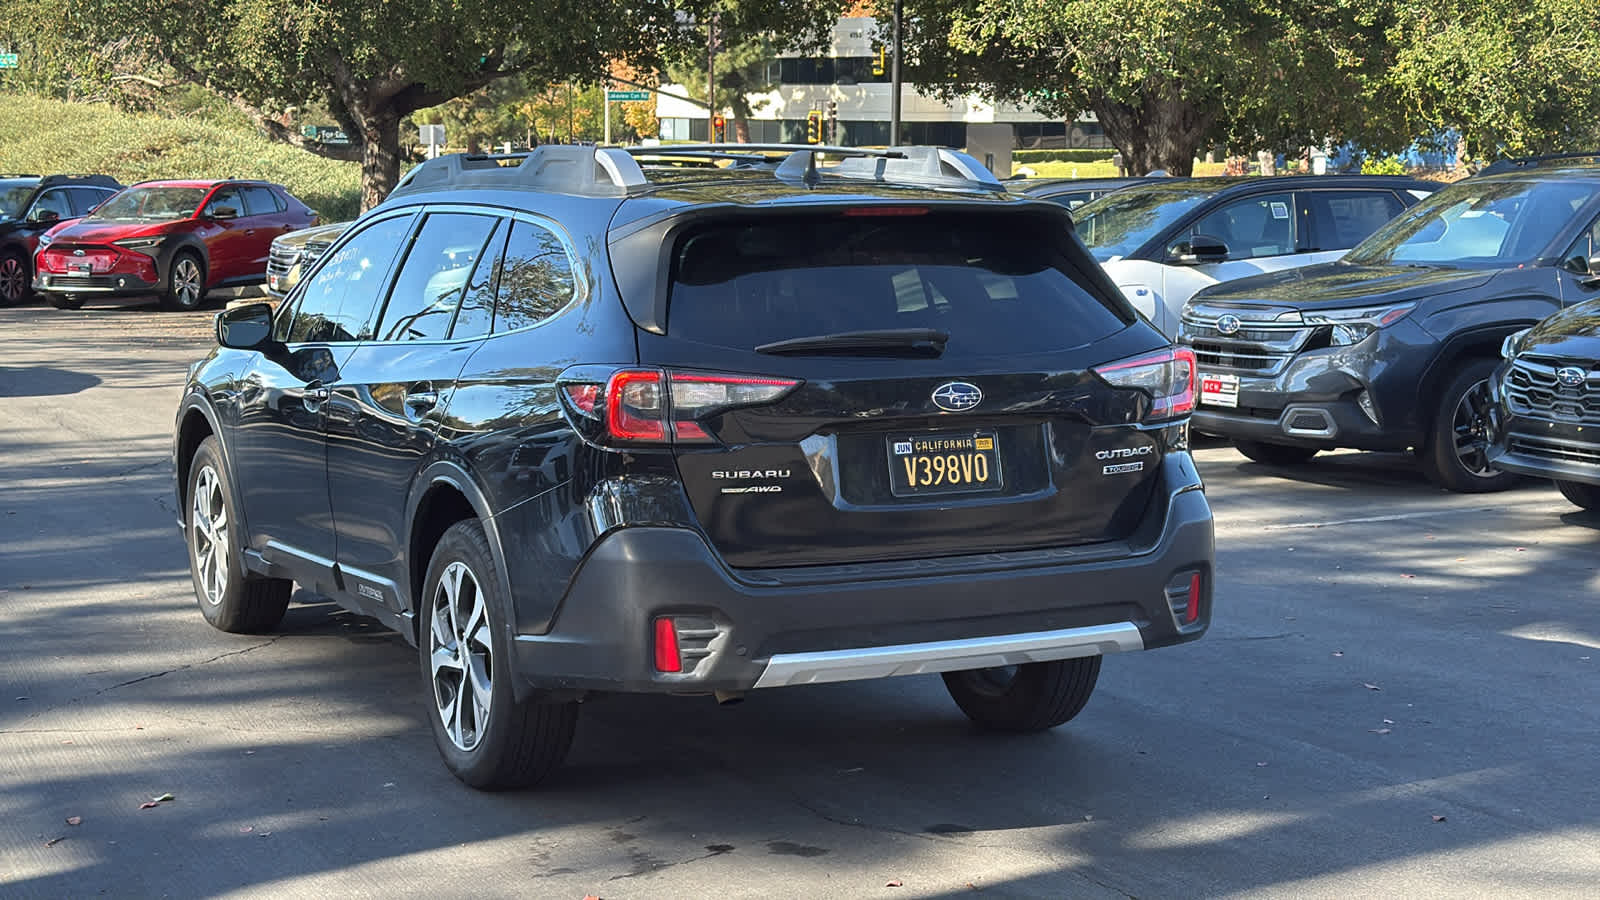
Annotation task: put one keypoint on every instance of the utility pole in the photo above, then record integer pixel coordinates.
(894, 80)
(711, 73)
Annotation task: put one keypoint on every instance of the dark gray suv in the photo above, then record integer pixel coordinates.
(575, 425)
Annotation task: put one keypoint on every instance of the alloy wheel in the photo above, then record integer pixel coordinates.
(209, 528)
(461, 649)
(186, 282)
(13, 281)
(1471, 431)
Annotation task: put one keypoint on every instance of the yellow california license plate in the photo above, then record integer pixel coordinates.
(944, 462)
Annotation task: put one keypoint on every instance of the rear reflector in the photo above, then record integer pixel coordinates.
(667, 659)
(1168, 376)
(1191, 613)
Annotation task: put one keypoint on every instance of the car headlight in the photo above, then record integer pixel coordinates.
(1513, 343)
(145, 245)
(1352, 326)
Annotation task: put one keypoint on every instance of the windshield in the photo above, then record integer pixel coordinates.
(143, 203)
(1478, 223)
(1120, 223)
(13, 194)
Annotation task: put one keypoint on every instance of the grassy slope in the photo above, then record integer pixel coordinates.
(48, 136)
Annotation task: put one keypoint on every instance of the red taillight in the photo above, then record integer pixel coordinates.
(667, 659)
(1191, 613)
(872, 211)
(1167, 376)
(651, 406)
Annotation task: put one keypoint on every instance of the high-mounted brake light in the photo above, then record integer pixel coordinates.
(870, 211)
(1168, 376)
(651, 406)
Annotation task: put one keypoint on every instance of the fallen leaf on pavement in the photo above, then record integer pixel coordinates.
(1338, 653)
(1261, 765)
(1380, 730)
(246, 829)
(1370, 686)
(590, 897)
(162, 799)
(1388, 721)
(54, 841)
(74, 820)
(1438, 818)
(1407, 576)
(149, 805)
(895, 883)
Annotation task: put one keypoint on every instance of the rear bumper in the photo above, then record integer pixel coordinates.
(743, 629)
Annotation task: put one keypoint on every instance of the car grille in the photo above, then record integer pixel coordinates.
(1531, 389)
(281, 259)
(1558, 451)
(1258, 347)
(313, 250)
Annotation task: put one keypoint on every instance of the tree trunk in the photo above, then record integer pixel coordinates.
(741, 130)
(380, 154)
(1160, 133)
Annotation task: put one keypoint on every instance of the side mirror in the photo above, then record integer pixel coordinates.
(1592, 277)
(1198, 250)
(246, 327)
(45, 216)
(223, 212)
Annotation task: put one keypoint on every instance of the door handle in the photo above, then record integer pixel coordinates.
(421, 397)
(317, 394)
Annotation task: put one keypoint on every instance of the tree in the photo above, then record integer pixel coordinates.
(1513, 78)
(373, 64)
(1165, 77)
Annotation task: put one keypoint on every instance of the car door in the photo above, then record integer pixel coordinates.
(1261, 233)
(227, 247)
(265, 220)
(279, 424)
(385, 411)
(1335, 220)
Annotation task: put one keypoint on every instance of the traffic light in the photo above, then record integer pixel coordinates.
(833, 122)
(878, 67)
(719, 130)
(814, 127)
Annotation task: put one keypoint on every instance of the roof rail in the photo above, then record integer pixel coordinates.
(556, 167)
(16, 175)
(920, 165)
(1531, 162)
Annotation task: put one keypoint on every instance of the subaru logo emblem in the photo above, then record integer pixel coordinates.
(1571, 376)
(957, 396)
(1228, 324)
(77, 253)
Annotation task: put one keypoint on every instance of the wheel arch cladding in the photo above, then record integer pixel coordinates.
(1480, 343)
(196, 427)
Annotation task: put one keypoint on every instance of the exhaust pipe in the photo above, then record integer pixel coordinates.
(728, 698)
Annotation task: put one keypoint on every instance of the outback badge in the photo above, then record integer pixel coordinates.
(957, 396)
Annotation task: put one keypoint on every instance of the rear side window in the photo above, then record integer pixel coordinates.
(86, 199)
(997, 285)
(536, 278)
(1342, 219)
(261, 201)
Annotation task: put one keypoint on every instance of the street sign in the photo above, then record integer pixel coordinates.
(331, 135)
(627, 95)
(432, 135)
(8, 60)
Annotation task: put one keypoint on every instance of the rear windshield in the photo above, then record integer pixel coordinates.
(997, 285)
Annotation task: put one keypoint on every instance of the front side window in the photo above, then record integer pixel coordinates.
(1254, 227)
(1585, 248)
(1479, 223)
(144, 204)
(340, 300)
(226, 197)
(51, 201)
(536, 278)
(427, 292)
(1121, 222)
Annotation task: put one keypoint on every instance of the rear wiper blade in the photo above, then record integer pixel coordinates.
(918, 341)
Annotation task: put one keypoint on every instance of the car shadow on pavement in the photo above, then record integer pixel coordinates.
(43, 381)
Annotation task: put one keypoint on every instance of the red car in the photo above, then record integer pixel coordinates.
(177, 239)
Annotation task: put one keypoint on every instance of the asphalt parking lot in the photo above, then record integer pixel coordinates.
(1398, 697)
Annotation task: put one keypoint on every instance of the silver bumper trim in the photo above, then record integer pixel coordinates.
(948, 656)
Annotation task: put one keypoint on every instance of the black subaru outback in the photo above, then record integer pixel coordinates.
(575, 425)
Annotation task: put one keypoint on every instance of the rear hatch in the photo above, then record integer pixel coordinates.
(879, 382)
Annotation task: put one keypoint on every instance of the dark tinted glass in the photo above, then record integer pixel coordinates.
(477, 306)
(998, 286)
(260, 201)
(85, 199)
(1342, 219)
(535, 277)
(427, 291)
(1122, 222)
(229, 197)
(340, 300)
(1257, 226)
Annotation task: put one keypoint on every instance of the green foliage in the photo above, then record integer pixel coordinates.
(45, 136)
(1071, 156)
(1388, 165)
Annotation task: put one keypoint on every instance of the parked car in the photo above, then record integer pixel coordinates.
(1166, 238)
(1546, 394)
(1070, 192)
(292, 255)
(31, 205)
(709, 434)
(1391, 348)
(177, 239)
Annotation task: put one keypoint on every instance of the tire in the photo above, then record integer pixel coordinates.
(1274, 454)
(66, 301)
(186, 282)
(1027, 698)
(230, 598)
(1455, 454)
(1584, 495)
(15, 280)
(510, 745)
